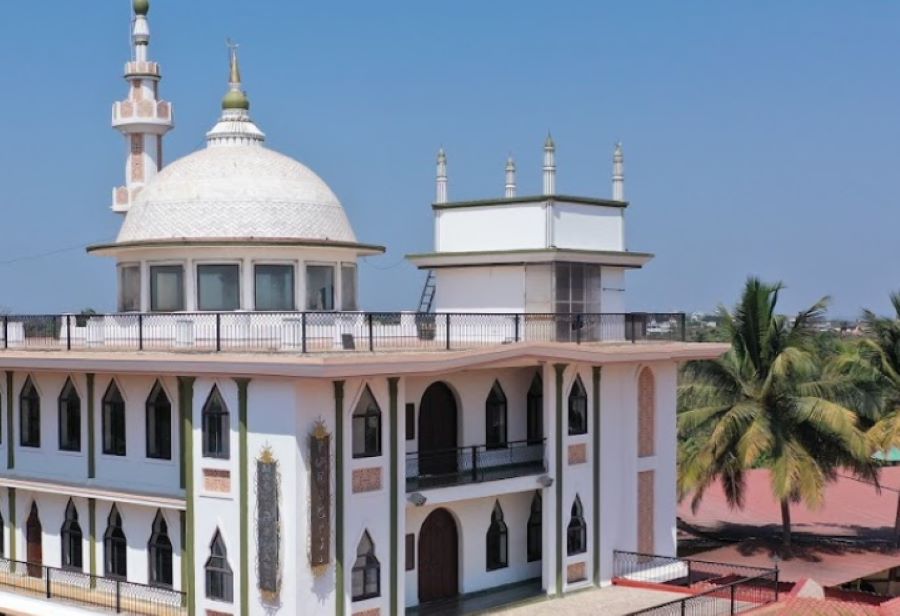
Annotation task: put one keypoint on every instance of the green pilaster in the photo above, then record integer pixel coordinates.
(186, 408)
(560, 471)
(185, 574)
(340, 600)
(92, 469)
(596, 455)
(395, 521)
(10, 439)
(11, 493)
(92, 540)
(244, 483)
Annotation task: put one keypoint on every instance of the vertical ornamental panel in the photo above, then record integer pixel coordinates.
(320, 498)
(268, 525)
(646, 413)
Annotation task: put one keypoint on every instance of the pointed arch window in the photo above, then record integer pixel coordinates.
(159, 424)
(497, 541)
(72, 538)
(495, 417)
(30, 415)
(113, 421)
(578, 423)
(534, 406)
(365, 577)
(2, 538)
(219, 577)
(366, 426)
(115, 547)
(535, 535)
(159, 549)
(577, 531)
(69, 418)
(216, 426)
(34, 539)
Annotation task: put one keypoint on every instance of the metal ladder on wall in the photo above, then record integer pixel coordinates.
(427, 300)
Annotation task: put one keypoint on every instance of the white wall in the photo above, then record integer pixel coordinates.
(587, 227)
(506, 227)
(612, 291)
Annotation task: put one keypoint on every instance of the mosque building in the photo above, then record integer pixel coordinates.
(241, 438)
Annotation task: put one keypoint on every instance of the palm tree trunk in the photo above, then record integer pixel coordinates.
(786, 526)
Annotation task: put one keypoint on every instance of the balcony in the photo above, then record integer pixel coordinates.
(474, 464)
(93, 592)
(327, 332)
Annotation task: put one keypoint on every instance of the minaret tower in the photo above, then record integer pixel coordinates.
(142, 118)
(549, 166)
(618, 177)
(510, 178)
(441, 189)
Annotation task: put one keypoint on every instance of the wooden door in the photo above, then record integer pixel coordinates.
(438, 557)
(33, 540)
(437, 431)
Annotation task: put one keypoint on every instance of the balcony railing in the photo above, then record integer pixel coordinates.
(323, 332)
(93, 592)
(474, 464)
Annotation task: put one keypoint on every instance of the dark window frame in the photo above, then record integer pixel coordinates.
(154, 300)
(576, 532)
(159, 554)
(497, 541)
(366, 415)
(72, 538)
(410, 552)
(578, 408)
(496, 418)
(366, 569)
(216, 423)
(534, 410)
(113, 422)
(410, 421)
(217, 269)
(29, 415)
(534, 537)
(218, 573)
(115, 547)
(158, 411)
(69, 418)
(293, 275)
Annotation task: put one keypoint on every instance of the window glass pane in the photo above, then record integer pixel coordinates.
(129, 288)
(166, 288)
(218, 287)
(562, 282)
(319, 287)
(348, 287)
(274, 287)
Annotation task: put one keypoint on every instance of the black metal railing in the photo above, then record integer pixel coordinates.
(474, 464)
(312, 332)
(97, 592)
(719, 588)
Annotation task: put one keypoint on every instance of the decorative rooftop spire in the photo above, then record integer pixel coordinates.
(549, 166)
(236, 98)
(441, 192)
(510, 178)
(618, 177)
(235, 126)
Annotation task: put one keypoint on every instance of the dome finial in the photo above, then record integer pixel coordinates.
(236, 98)
(141, 7)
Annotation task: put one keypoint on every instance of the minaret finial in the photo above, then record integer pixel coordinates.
(441, 191)
(549, 166)
(510, 178)
(236, 98)
(618, 177)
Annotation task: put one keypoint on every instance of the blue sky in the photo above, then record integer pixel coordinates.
(760, 137)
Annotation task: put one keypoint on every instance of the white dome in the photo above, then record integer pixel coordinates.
(236, 191)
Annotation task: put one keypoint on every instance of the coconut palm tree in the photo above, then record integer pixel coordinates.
(880, 352)
(770, 403)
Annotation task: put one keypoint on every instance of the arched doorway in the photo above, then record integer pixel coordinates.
(438, 557)
(34, 549)
(437, 431)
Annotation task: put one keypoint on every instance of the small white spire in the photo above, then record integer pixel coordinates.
(235, 127)
(618, 177)
(549, 166)
(441, 192)
(510, 178)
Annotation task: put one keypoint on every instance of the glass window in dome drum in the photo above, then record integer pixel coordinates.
(348, 287)
(319, 287)
(166, 288)
(218, 287)
(129, 288)
(274, 287)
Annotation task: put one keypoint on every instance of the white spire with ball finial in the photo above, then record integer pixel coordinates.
(549, 166)
(441, 192)
(510, 178)
(618, 177)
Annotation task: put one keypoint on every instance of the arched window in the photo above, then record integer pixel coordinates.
(69, 418)
(365, 578)
(30, 415)
(534, 405)
(577, 531)
(159, 549)
(113, 421)
(216, 426)
(71, 539)
(115, 547)
(578, 408)
(497, 541)
(219, 578)
(159, 424)
(495, 417)
(535, 534)
(34, 541)
(366, 426)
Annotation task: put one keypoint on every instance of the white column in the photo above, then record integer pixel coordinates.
(548, 495)
(618, 177)
(510, 178)
(549, 166)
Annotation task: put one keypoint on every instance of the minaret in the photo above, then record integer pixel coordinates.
(549, 166)
(142, 118)
(510, 178)
(618, 177)
(235, 126)
(441, 192)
